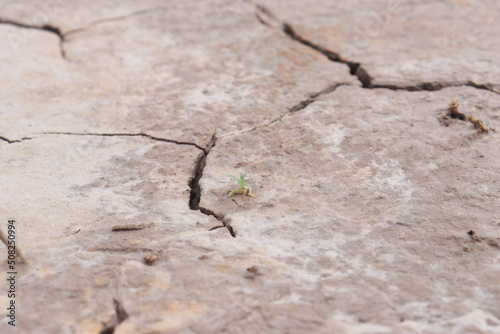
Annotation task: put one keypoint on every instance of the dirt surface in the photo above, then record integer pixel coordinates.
(367, 130)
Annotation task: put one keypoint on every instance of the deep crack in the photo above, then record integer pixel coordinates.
(145, 135)
(266, 17)
(354, 67)
(194, 185)
(220, 217)
(45, 27)
(121, 316)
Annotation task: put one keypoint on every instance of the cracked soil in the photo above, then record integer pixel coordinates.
(376, 210)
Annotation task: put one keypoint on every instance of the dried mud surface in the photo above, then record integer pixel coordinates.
(377, 206)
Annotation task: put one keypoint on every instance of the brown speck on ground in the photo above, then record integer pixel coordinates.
(452, 113)
(478, 124)
(474, 236)
(252, 272)
(151, 259)
(253, 269)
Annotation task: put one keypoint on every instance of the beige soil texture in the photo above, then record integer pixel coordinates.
(377, 204)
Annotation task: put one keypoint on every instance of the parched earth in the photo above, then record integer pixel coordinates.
(377, 205)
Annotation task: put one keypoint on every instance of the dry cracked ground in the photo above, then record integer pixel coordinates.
(377, 208)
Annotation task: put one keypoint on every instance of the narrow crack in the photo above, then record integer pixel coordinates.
(121, 316)
(483, 87)
(63, 36)
(194, 185)
(266, 17)
(425, 86)
(298, 107)
(312, 97)
(145, 135)
(14, 141)
(435, 86)
(114, 19)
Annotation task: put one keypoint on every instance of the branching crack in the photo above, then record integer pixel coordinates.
(121, 316)
(194, 185)
(63, 36)
(220, 217)
(266, 17)
(45, 27)
(14, 141)
(145, 135)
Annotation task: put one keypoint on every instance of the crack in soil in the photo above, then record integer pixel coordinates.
(194, 185)
(121, 316)
(298, 107)
(14, 141)
(435, 86)
(354, 67)
(63, 36)
(194, 181)
(267, 18)
(114, 19)
(312, 98)
(145, 135)
(483, 87)
(46, 27)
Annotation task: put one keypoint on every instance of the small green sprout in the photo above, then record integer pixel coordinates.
(244, 189)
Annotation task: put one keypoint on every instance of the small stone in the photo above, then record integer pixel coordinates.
(151, 259)
(253, 269)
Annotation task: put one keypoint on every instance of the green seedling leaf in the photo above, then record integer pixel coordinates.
(244, 189)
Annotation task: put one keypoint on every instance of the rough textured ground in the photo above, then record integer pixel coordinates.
(121, 113)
